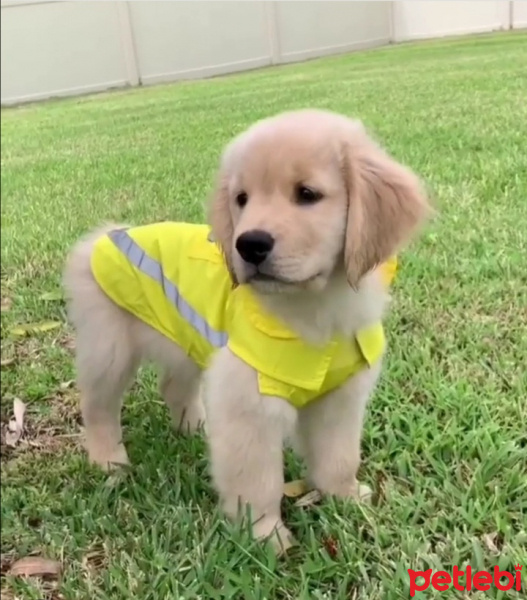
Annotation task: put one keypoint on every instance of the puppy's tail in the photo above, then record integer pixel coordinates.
(77, 278)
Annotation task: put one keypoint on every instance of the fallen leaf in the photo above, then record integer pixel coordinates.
(67, 384)
(52, 296)
(365, 494)
(16, 425)
(31, 328)
(95, 559)
(309, 499)
(6, 362)
(490, 542)
(67, 342)
(35, 566)
(331, 546)
(6, 304)
(46, 326)
(293, 489)
(6, 562)
(18, 331)
(381, 488)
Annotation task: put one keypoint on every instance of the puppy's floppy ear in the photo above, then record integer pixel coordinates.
(386, 206)
(220, 220)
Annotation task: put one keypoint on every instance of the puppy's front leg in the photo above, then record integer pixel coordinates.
(330, 436)
(246, 433)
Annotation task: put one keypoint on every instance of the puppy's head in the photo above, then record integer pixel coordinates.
(306, 195)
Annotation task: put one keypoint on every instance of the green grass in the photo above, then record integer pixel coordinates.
(445, 443)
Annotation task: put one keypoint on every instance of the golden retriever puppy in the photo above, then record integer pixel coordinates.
(306, 213)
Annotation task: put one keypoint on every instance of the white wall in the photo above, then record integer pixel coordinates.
(60, 48)
(519, 14)
(418, 20)
(310, 29)
(177, 40)
(51, 48)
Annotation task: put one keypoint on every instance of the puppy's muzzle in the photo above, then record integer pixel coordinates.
(254, 246)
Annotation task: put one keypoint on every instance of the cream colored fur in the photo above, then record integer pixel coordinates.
(324, 261)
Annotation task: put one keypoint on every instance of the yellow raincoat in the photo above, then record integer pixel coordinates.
(172, 277)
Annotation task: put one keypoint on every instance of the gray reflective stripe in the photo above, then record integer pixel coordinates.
(147, 265)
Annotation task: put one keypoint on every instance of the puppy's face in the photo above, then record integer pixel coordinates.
(306, 195)
(287, 200)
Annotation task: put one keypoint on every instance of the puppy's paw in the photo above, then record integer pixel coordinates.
(189, 420)
(275, 533)
(108, 459)
(343, 489)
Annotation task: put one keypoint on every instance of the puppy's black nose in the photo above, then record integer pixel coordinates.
(254, 246)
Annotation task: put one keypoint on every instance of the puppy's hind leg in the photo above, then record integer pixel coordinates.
(179, 378)
(105, 355)
(180, 390)
(104, 369)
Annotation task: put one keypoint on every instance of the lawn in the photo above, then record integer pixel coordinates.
(445, 443)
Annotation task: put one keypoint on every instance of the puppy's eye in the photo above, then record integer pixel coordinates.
(241, 199)
(307, 195)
